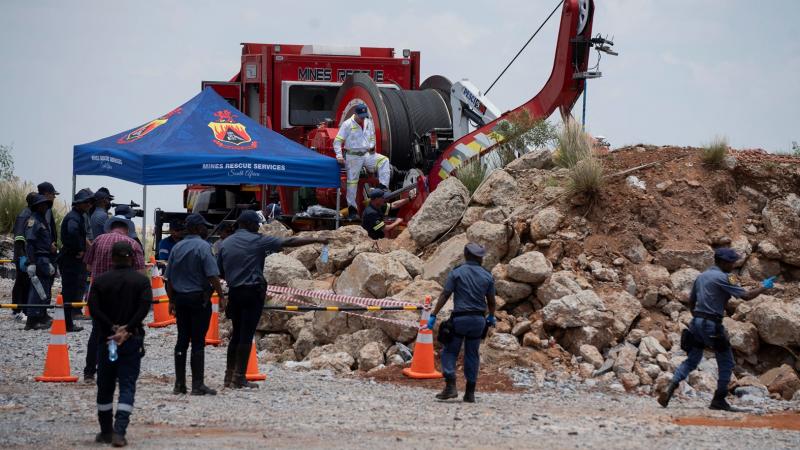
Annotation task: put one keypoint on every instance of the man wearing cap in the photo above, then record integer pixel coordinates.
(119, 301)
(49, 191)
(357, 134)
(74, 242)
(192, 274)
(241, 263)
(99, 216)
(176, 230)
(473, 292)
(710, 293)
(374, 214)
(99, 258)
(39, 264)
(19, 293)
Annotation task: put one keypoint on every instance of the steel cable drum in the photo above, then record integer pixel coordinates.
(399, 116)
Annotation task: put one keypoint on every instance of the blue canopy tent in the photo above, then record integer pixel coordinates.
(204, 141)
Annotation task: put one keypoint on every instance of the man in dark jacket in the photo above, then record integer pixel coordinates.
(73, 246)
(119, 301)
(49, 192)
(40, 263)
(97, 221)
(22, 283)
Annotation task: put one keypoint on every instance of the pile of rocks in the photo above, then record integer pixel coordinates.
(595, 292)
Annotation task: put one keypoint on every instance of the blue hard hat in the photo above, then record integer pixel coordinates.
(726, 254)
(196, 219)
(361, 110)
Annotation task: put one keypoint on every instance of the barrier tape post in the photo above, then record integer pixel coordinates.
(56, 364)
(422, 362)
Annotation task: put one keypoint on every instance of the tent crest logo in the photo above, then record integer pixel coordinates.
(145, 129)
(230, 134)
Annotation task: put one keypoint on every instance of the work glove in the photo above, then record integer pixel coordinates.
(431, 321)
(769, 283)
(491, 320)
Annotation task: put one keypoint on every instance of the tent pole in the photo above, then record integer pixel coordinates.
(338, 205)
(144, 219)
(74, 185)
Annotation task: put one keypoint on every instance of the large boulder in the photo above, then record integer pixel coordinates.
(531, 267)
(759, 267)
(781, 380)
(743, 336)
(652, 275)
(635, 251)
(370, 275)
(340, 362)
(578, 310)
(415, 292)
(777, 320)
(512, 291)
(440, 212)
(307, 255)
(682, 281)
(498, 189)
(574, 338)
(625, 309)
(409, 260)
(445, 258)
(370, 356)
(676, 255)
(590, 354)
(326, 326)
(352, 343)
(742, 246)
(276, 229)
(493, 237)
(558, 285)
(280, 269)
(540, 158)
(782, 222)
(545, 223)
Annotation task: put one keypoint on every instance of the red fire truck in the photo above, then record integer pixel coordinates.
(426, 128)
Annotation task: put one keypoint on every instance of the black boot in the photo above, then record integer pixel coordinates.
(719, 402)
(240, 371)
(106, 420)
(180, 373)
(664, 397)
(230, 366)
(352, 213)
(469, 394)
(35, 323)
(449, 390)
(198, 370)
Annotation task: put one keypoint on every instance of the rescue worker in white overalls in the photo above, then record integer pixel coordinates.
(357, 134)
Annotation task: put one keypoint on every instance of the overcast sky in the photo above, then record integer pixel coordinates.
(76, 71)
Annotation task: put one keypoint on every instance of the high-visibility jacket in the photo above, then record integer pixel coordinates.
(354, 137)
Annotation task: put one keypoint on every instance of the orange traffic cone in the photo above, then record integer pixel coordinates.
(212, 335)
(422, 366)
(161, 315)
(252, 366)
(56, 365)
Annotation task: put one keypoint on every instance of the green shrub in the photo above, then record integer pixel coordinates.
(471, 174)
(586, 177)
(521, 132)
(12, 202)
(715, 152)
(573, 145)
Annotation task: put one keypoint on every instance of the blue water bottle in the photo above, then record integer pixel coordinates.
(112, 350)
(324, 256)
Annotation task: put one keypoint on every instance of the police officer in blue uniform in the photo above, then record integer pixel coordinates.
(710, 293)
(241, 263)
(191, 274)
(473, 292)
(22, 284)
(102, 201)
(74, 240)
(40, 259)
(49, 192)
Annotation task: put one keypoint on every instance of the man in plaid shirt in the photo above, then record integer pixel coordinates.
(98, 258)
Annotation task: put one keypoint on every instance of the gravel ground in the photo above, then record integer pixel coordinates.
(319, 410)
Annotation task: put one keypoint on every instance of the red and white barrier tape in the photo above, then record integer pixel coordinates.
(333, 297)
(402, 323)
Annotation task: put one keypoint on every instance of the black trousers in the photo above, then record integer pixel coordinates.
(123, 372)
(73, 283)
(91, 352)
(192, 314)
(245, 304)
(19, 294)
